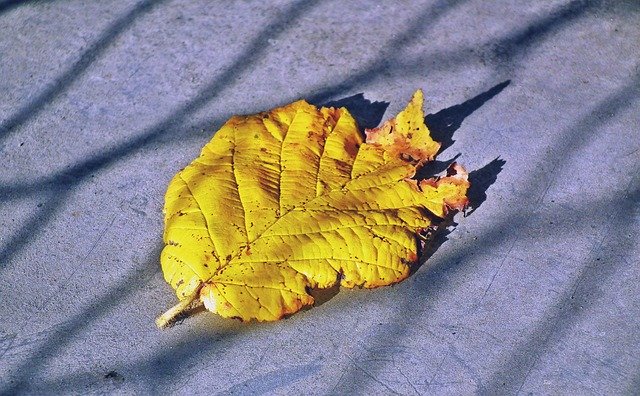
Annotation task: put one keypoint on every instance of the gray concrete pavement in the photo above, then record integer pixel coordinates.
(536, 292)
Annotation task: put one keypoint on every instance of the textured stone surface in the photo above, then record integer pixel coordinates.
(537, 291)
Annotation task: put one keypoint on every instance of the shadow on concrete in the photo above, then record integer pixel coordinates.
(66, 180)
(634, 385)
(64, 81)
(184, 360)
(481, 179)
(575, 300)
(272, 381)
(434, 281)
(563, 315)
(435, 167)
(8, 5)
(442, 126)
(524, 38)
(366, 113)
(73, 176)
(51, 200)
(508, 54)
(166, 371)
(379, 66)
(57, 340)
(445, 122)
(385, 61)
(503, 54)
(511, 375)
(517, 43)
(505, 51)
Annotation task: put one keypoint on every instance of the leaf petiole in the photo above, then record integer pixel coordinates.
(175, 313)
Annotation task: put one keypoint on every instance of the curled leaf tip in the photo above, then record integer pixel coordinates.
(452, 188)
(406, 136)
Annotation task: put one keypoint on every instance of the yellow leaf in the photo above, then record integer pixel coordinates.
(284, 201)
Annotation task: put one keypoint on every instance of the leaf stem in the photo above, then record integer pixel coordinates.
(173, 314)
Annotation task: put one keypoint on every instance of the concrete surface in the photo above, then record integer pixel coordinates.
(536, 292)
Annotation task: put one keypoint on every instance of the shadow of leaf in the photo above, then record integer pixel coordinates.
(445, 122)
(435, 167)
(367, 114)
(481, 179)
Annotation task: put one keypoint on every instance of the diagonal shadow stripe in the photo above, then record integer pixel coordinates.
(418, 28)
(432, 283)
(568, 139)
(513, 46)
(66, 79)
(526, 38)
(8, 5)
(516, 44)
(107, 160)
(567, 311)
(70, 178)
(33, 226)
(60, 183)
(56, 341)
(249, 56)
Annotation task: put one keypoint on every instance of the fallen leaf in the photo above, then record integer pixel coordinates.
(285, 201)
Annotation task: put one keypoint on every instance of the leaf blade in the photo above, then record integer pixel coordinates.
(295, 198)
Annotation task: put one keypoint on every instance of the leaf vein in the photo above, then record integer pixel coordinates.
(206, 222)
(235, 179)
(318, 259)
(324, 144)
(343, 227)
(321, 208)
(286, 135)
(258, 286)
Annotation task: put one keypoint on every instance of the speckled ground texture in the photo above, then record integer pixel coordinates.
(537, 291)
